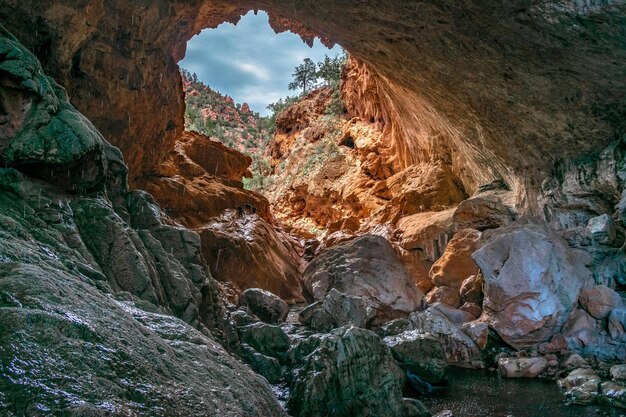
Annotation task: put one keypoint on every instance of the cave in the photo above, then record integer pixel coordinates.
(459, 223)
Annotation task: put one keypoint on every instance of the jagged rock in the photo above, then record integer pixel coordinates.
(618, 372)
(459, 348)
(264, 305)
(613, 394)
(602, 229)
(426, 233)
(42, 134)
(265, 366)
(456, 264)
(394, 327)
(478, 331)
(472, 290)
(456, 316)
(532, 281)
(348, 372)
(366, 267)
(54, 323)
(242, 317)
(419, 353)
(522, 367)
(617, 323)
(337, 310)
(581, 386)
(485, 210)
(574, 361)
(266, 339)
(445, 295)
(599, 301)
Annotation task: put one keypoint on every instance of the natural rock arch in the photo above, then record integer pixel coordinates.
(497, 90)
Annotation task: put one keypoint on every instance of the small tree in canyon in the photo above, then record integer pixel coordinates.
(305, 76)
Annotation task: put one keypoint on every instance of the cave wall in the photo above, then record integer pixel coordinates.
(501, 90)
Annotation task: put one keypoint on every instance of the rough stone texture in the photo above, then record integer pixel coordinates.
(348, 373)
(613, 394)
(337, 310)
(419, 353)
(522, 367)
(264, 305)
(599, 301)
(618, 372)
(486, 210)
(581, 386)
(456, 264)
(446, 295)
(265, 366)
(266, 339)
(602, 229)
(460, 349)
(248, 251)
(617, 323)
(472, 290)
(557, 62)
(147, 363)
(532, 281)
(90, 287)
(366, 267)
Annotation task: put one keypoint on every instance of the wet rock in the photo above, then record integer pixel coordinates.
(472, 290)
(394, 327)
(599, 301)
(618, 372)
(265, 366)
(42, 134)
(61, 325)
(459, 347)
(456, 264)
(444, 413)
(265, 305)
(266, 339)
(337, 310)
(366, 267)
(419, 353)
(581, 386)
(602, 229)
(532, 281)
(522, 367)
(613, 394)
(242, 317)
(348, 372)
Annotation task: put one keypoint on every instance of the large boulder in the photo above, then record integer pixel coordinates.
(456, 264)
(532, 281)
(337, 310)
(347, 373)
(266, 339)
(419, 353)
(487, 209)
(265, 305)
(522, 367)
(366, 267)
(599, 301)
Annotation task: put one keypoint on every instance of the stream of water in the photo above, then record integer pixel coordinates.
(480, 393)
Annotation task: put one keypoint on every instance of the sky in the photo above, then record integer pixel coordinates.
(249, 62)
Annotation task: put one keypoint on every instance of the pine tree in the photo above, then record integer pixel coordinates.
(305, 76)
(330, 69)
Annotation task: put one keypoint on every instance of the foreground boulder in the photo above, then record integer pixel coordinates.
(522, 367)
(337, 310)
(532, 279)
(265, 305)
(456, 264)
(419, 353)
(366, 267)
(347, 373)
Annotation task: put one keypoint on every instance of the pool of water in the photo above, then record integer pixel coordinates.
(480, 393)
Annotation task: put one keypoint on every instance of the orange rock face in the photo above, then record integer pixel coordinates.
(456, 264)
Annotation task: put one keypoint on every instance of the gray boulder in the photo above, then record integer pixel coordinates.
(265, 305)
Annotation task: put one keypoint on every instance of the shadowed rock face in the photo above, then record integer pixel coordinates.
(498, 89)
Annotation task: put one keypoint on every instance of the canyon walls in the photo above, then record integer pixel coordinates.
(499, 91)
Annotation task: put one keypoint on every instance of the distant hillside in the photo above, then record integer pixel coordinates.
(220, 118)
